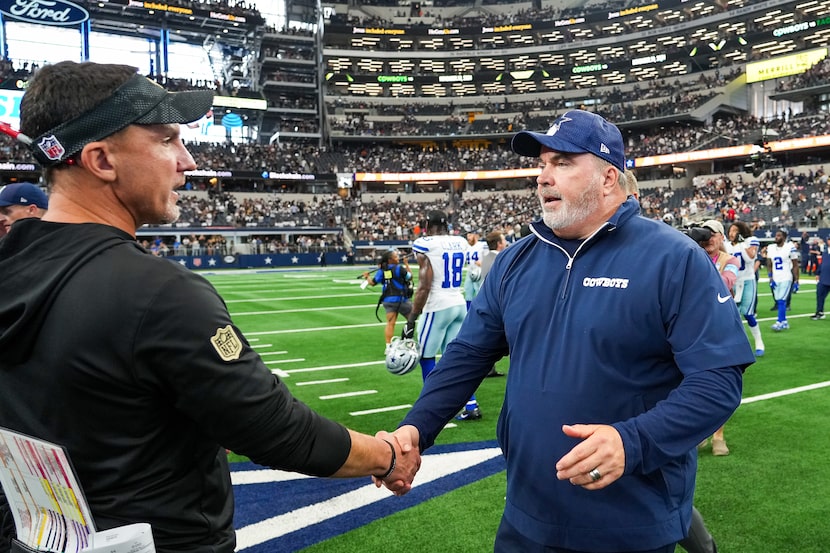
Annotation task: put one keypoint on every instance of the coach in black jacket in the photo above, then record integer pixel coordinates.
(129, 361)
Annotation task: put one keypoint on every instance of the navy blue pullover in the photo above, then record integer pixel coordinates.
(635, 330)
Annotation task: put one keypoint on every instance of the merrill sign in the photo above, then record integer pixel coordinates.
(45, 12)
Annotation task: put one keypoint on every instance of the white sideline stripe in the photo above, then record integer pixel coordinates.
(264, 353)
(782, 393)
(357, 281)
(285, 361)
(315, 382)
(379, 410)
(302, 310)
(349, 394)
(330, 367)
(253, 294)
(432, 468)
(775, 317)
(260, 345)
(280, 373)
(262, 476)
(259, 299)
(318, 329)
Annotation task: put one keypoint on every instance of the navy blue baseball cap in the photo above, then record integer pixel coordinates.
(23, 193)
(575, 132)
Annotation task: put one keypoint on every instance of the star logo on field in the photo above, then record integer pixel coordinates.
(268, 260)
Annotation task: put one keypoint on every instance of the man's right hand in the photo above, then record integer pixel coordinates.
(772, 284)
(408, 462)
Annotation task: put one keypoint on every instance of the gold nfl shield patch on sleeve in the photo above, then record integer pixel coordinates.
(226, 343)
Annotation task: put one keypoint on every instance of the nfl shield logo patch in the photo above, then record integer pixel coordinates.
(50, 146)
(226, 343)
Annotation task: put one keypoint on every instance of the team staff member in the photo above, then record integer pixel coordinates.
(128, 360)
(21, 200)
(616, 372)
(496, 242)
(395, 278)
(728, 266)
(822, 287)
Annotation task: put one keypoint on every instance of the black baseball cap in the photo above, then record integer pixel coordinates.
(138, 101)
(437, 218)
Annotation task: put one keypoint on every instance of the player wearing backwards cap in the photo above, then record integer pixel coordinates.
(128, 360)
(20, 200)
(745, 248)
(441, 258)
(616, 373)
(782, 271)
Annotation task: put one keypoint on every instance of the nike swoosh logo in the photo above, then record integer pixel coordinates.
(722, 299)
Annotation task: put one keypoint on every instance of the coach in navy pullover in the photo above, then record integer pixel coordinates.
(625, 351)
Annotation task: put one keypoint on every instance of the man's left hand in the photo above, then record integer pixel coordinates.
(597, 461)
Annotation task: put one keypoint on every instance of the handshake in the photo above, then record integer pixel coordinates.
(406, 459)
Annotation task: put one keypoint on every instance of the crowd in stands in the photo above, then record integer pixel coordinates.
(235, 7)
(486, 17)
(780, 198)
(815, 76)
(305, 158)
(615, 105)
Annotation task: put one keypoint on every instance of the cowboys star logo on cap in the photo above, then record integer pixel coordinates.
(555, 127)
(50, 146)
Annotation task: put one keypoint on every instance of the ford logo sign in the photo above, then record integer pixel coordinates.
(45, 12)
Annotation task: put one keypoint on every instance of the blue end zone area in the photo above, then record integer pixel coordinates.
(258, 502)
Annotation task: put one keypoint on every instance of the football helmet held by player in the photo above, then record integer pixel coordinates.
(402, 355)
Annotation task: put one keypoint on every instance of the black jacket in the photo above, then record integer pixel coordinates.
(133, 364)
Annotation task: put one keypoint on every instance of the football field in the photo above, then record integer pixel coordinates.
(317, 330)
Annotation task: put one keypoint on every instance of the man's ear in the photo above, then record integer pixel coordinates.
(611, 179)
(96, 157)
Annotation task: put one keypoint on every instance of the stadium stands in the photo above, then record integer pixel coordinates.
(442, 88)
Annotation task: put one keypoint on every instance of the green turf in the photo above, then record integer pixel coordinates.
(770, 494)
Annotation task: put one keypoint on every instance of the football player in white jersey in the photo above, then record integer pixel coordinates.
(745, 247)
(475, 253)
(782, 273)
(441, 259)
